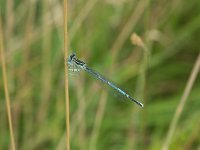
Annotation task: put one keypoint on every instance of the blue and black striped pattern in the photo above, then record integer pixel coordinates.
(82, 65)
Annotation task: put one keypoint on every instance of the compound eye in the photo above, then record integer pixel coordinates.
(72, 56)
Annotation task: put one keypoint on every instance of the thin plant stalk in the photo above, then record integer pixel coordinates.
(9, 19)
(181, 104)
(46, 58)
(81, 120)
(9, 28)
(6, 88)
(80, 113)
(81, 17)
(24, 78)
(141, 88)
(124, 34)
(66, 75)
(98, 121)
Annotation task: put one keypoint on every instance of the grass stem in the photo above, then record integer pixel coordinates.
(6, 88)
(181, 104)
(66, 75)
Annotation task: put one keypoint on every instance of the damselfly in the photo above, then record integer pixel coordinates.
(77, 65)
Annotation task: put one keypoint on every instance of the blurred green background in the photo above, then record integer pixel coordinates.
(100, 33)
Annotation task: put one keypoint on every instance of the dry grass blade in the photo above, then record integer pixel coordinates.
(9, 19)
(98, 121)
(182, 102)
(81, 17)
(81, 116)
(6, 87)
(141, 91)
(46, 59)
(80, 112)
(66, 74)
(135, 16)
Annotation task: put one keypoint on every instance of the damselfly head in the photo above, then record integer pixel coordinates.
(71, 65)
(70, 58)
(73, 55)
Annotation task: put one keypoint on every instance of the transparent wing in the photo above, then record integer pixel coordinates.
(72, 67)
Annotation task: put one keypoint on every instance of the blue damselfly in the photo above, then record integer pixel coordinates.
(78, 65)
